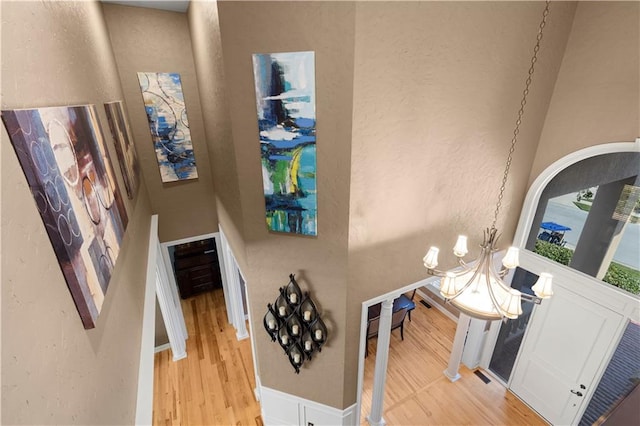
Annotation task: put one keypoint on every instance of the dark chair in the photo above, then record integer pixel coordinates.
(397, 321)
(372, 331)
(404, 302)
(544, 236)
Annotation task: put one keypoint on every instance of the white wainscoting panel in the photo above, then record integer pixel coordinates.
(280, 409)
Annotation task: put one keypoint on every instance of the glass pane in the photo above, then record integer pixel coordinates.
(624, 270)
(588, 219)
(562, 224)
(620, 377)
(512, 331)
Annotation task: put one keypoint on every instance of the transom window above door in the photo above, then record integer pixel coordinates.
(588, 218)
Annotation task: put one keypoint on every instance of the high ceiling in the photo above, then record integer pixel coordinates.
(172, 5)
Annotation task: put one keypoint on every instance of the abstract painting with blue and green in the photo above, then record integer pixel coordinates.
(285, 99)
(169, 126)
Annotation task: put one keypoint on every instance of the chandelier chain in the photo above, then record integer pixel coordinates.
(523, 102)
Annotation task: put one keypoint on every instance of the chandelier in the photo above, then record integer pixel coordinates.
(477, 288)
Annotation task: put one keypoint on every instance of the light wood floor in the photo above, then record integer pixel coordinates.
(418, 393)
(214, 384)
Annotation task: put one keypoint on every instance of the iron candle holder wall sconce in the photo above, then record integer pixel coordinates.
(294, 322)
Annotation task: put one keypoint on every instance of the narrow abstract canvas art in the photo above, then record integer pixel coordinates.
(123, 141)
(167, 115)
(285, 99)
(64, 158)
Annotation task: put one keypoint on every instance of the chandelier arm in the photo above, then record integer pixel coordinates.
(498, 278)
(437, 272)
(460, 272)
(503, 272)
(523, 102)
(531, 298)
(457, 272)
(527, 297)
(494, 300)
(482, 261)
(495, 303)
(458, 293)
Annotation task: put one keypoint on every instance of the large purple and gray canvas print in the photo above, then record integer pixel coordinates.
(285, 100)
(64, 158)
(123, 141)
(167, 116)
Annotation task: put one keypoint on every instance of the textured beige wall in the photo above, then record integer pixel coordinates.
(436, 90)
(320, 263)
(207, 53)
(158, 41)
(54, 371)
(597, 95)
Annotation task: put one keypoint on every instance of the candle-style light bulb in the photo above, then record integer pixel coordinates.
(431, 258)
(460, 249)
(448, 285)
(543, 287)
(511, 305)
(510, 260)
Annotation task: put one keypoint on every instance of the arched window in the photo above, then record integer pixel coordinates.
(588, 218)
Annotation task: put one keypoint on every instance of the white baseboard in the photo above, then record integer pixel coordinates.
(163, 347)
(256, 390)
(179, 356)
(279, 409)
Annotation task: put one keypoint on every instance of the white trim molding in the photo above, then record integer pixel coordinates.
(235, 308)
(223, 273)
(283, 409)
(144, 400)
(216, 237)
(171, 310)
(162, 348)
(189, 239)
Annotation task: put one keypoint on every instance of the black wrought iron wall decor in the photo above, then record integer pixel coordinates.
(294, 322)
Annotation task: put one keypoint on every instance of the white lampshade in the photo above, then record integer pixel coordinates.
(511, 305)
(460, 249)
(510, 260)
(431, 259)
(448, 285)
(543, 287)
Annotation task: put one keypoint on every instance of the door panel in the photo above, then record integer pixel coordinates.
(568, 341)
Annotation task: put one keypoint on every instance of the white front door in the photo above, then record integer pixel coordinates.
(567, 342)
